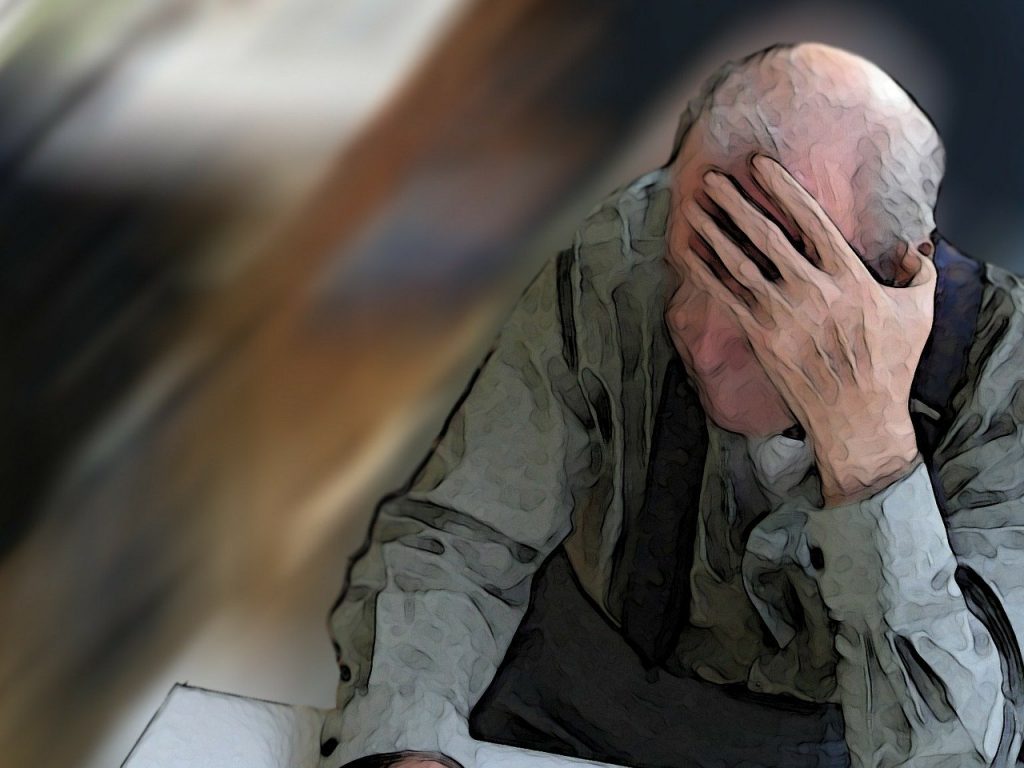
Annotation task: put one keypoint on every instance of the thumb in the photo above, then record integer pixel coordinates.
(915, 270)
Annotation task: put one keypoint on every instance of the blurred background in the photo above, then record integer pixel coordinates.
(254, 250)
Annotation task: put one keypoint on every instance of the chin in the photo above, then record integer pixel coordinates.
(743, 402)
(765, 421)
(745, 428)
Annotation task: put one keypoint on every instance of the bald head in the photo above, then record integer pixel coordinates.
(844, 128)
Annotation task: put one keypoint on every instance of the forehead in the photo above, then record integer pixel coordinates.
(826, 169)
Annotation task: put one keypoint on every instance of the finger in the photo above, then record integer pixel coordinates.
(740, 267)
(833, 252)
(704, 251)
(700, 271)
(715, 272)
(921, 268)
(762, 232)
(920, 288)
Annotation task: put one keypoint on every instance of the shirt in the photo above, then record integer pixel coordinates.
(549, 445)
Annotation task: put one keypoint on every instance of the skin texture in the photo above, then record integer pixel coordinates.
(839, 347)
(827, 346)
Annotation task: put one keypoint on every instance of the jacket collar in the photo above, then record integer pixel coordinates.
(943, 365)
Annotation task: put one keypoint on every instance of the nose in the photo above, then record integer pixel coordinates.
(706, 354)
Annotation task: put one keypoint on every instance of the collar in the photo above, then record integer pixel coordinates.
(943, 365)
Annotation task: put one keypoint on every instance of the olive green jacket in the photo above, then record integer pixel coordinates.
(550, 445)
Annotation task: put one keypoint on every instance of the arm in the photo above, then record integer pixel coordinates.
(919, 675)
(928, 661)
(928, 611)
(939, 601)
(436, 594)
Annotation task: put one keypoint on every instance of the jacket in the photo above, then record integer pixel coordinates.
(551, 444)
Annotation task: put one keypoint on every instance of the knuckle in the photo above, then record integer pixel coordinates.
(775, 239)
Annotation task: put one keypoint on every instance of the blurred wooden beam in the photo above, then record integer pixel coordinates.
(518, 107)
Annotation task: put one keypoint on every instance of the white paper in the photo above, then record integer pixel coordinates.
(199, 728)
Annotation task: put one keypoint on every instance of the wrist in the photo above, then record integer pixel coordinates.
(852, 484)
(866, 461)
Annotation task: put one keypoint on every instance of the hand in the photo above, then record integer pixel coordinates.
(405, 759)
(422, 762)
(841, 348)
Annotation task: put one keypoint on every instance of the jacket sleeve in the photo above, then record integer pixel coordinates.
(927, 608)
(919, 675)
(438, 590)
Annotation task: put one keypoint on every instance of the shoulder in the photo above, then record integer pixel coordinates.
(998, 346)
(624, 233)
(988, 409)
(1004, 286)
(618, 283)
(982, 454)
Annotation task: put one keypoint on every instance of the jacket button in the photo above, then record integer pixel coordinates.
(346, 673)
(817, 558)
(328, 747)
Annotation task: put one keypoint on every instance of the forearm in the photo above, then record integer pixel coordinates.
(434, 600)
(438, 636)
(919, 676)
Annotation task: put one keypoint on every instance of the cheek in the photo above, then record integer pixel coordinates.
(733, 348)
(710, 342)
(733, 387)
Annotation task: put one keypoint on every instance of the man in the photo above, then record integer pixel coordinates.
(704, 430)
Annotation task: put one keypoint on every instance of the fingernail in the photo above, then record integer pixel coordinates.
(760, 162)
(712, 177)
